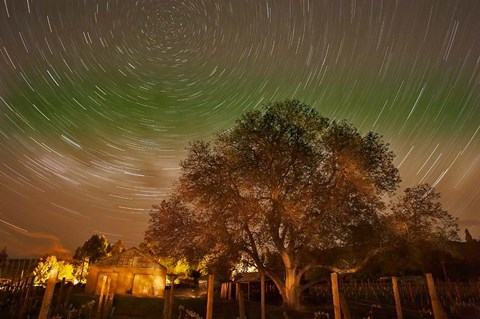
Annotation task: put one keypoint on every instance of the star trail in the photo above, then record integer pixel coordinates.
(98, 99)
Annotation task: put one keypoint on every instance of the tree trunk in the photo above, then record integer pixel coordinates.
(291, 292)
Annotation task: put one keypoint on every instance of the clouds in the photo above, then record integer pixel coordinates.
(24, 243)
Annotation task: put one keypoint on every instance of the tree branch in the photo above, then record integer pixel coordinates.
(254, 251)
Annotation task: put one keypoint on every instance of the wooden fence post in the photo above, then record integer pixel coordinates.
(211, 281)
(229, 291)
(106, 298)
(438, 311)
(344, 307)
(396, 295)
(262, 296)
(108, 304)
(171, 299)
(100, 298)
(66, 304)
(47, 297)
(410, 292)
(61, 291)
(222, 291)
(25, 301)
(166, 303)
(241, 304)
(336, 297)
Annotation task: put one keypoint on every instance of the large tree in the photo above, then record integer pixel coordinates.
(284, 184)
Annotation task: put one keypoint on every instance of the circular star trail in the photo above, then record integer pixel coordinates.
(98, 99)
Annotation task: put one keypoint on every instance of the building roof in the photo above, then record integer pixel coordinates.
(130, 258)
(252, 277)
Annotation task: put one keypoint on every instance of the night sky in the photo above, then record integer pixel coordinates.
(98, 99)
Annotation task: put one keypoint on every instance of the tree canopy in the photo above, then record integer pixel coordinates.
(44, 267)
(117, 248)
(418, 218)
(285, 186)
(94, 248)
(418, 233)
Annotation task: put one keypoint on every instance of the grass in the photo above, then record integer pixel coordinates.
(128, 307)
(228, 309)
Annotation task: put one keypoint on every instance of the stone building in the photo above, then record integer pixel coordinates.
(131, 272)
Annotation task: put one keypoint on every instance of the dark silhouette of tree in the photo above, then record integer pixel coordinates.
(93, 249)
(117, 248)
(420, 234)
(3, 255)
(286, 183)
(418, 218)
(195, 274)
(3, 258)
(472, 256)
(468, 237)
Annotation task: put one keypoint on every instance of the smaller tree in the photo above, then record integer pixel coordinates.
(93, 249)
(117, 248)
(3, 256)
(42, 271)
(468, 237)
(3, 259)
(419, 226)
(65, 270)
(80, 271)
(195, 274)
(175, 267)
(44, 267)
(418, 217)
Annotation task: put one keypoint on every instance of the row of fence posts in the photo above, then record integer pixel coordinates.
(26, 292)
(341, 309)
(226, 293)
(105, 300)
(20, 293)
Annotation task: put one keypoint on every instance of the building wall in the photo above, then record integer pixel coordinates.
(135, 281)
